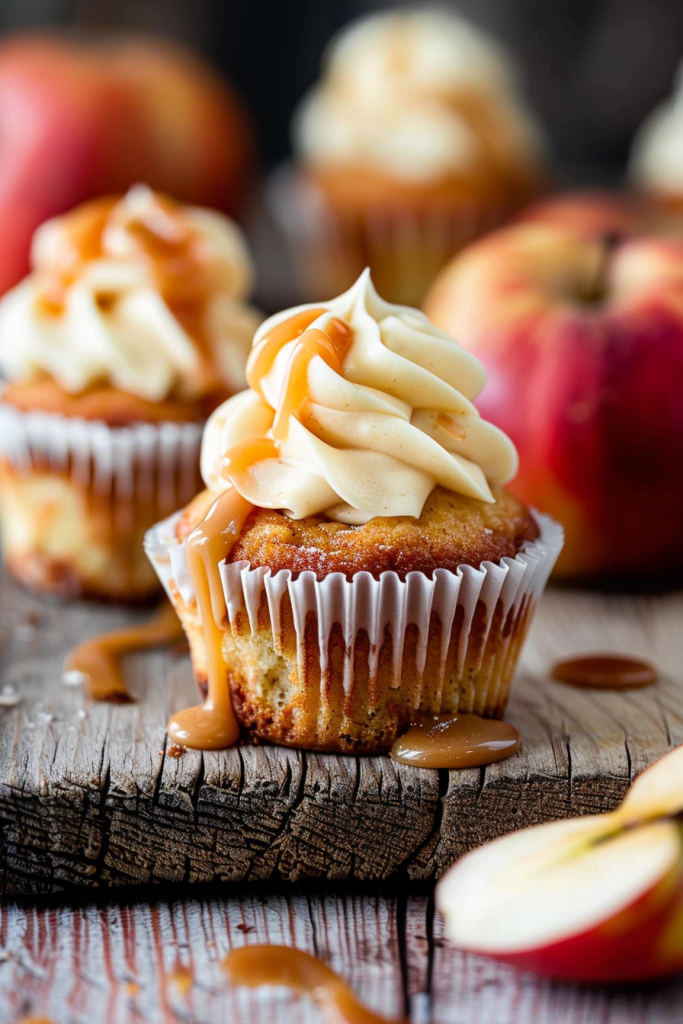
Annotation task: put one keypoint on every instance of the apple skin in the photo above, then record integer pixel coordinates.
(588, 391)
(622, 872)
(84, 117)
(624, 949)
(590, 214)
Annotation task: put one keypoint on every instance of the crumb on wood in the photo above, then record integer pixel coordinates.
(176, 750)
(246, 928)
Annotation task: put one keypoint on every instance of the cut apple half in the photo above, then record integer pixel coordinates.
(588, 899)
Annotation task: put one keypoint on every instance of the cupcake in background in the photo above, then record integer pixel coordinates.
(415, 140)
(355, 560)
(656, 161)
(130, 329)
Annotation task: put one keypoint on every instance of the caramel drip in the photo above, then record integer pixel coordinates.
(212, 725)
(605, 672)
(98, 659)
(262, 357)
(292, 968)
(456, 741)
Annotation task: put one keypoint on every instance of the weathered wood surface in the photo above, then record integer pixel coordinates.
(124, 962)
(88, 795)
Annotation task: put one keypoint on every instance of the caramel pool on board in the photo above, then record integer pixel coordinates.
(604, 672)
(456, 741)
(98, 659)
(292, 968)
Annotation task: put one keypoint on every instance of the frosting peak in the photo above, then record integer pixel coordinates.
(135, 291)
(356, 408)
(657, 151)
(419, 95)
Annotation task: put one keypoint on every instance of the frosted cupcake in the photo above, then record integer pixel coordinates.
(354, 560)
(414, 141)
(130, 329)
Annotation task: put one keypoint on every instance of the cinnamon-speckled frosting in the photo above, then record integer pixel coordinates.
(137, 292)
(374, 440)
(392, 94)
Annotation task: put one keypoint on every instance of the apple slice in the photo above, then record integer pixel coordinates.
(588, 899)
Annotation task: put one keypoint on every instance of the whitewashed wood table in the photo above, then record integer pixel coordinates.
(89, 797)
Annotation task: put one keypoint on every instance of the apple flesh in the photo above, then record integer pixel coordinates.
(83, 118)
(583, 345)
(596, 899)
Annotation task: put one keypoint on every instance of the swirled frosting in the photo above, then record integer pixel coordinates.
(137, 292)
(368, 430)
(402, 93)
(657, 153)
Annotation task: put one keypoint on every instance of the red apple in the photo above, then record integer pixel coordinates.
(589, 214)
(81, 118)
(589, 899)
(583, 344)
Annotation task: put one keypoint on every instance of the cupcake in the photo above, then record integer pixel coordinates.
(130, 329)
(414, 141)
(354, 560)
(656, 162)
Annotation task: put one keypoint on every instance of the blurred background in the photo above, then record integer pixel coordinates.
(592, 68)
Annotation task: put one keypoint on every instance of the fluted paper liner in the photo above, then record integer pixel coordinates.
(130, 476)
(363, 603)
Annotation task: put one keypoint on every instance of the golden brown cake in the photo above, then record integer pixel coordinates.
(414, 141)
(354, 560)
(130, 330)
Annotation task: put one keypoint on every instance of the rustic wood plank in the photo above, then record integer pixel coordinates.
(159, 963)
(88, 796)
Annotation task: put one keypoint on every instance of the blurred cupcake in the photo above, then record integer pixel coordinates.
(414, 141)
(130, 329)
(656, 163)
(354, 561)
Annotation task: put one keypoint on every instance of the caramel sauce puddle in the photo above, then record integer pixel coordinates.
(292, 968)
(213, 725)
(98, 659)
(604, 672)
(456, 741)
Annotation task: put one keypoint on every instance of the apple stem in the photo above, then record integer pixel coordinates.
(597, 285)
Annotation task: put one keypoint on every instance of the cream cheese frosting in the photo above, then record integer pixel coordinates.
(138, 292)
(389, 98)
(371, 440)
(657, 152)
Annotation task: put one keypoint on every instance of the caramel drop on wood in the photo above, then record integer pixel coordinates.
(98, 659)
(456, 741)
(604, 672)
(212, 725)
(292, 968)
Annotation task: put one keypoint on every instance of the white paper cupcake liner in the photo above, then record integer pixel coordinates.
(157, 462)
(400, 243)
(368, 605)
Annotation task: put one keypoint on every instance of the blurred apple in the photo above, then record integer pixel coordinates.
(589, 899)
(589, 213)
(81, 117)
(583, 344)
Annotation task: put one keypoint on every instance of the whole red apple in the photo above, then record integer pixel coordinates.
(590, 899)
(82, 117)
(583, 344)
(589, 213)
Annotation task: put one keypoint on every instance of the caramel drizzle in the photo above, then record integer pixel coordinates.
(98, 659)
(292, 968)
(456, 741)
(213, 725)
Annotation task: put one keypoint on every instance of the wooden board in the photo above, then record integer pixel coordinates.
(88, 796)
(121, 962)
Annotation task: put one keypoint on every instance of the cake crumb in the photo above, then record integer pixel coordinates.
(176, 750)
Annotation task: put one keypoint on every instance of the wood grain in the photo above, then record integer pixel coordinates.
(88, 796)
(120, 962)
